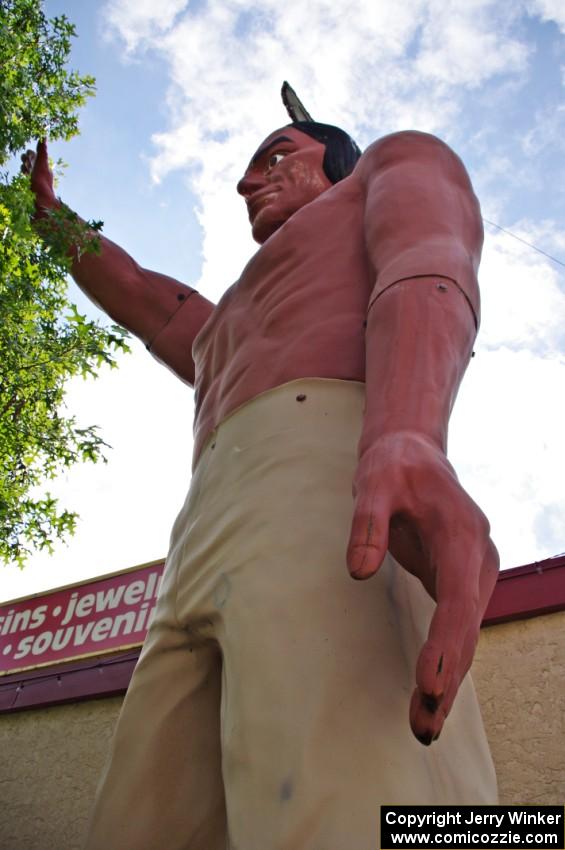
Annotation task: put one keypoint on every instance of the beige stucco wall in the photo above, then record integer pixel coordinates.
(50, 759)
(519, 672)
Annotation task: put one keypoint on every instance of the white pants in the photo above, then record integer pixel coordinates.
(269, 707)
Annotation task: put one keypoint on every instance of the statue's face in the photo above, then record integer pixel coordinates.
(285, 174)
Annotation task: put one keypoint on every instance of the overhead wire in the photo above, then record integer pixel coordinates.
(524, 242)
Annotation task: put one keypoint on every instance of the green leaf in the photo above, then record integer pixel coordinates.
(44, 340)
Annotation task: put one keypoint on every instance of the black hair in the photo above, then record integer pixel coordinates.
(341, 151)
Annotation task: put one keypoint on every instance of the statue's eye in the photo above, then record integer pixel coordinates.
(274, 159)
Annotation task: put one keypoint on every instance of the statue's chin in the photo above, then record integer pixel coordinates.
(264, 226)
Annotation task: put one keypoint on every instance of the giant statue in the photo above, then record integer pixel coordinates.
(327, 574)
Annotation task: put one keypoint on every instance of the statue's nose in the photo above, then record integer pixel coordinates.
(250, 182)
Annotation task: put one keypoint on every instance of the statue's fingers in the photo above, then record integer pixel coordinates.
(440, 658)
(28, 160)
(427, 713)
(444, 651)
(489, 574)
(454, 633)
(42, 154)
(454, 629)
(464, 586)
(425, 724)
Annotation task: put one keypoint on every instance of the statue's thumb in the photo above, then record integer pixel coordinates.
(368, 542)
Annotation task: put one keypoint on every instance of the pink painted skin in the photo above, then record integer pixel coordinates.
(278, 183)
(139, 299)
(407, 211)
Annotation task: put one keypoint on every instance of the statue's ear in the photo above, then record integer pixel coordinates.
(294, 105)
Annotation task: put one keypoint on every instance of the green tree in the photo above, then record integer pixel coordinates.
(44, 340)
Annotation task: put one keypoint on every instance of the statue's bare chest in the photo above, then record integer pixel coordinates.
(298, 310)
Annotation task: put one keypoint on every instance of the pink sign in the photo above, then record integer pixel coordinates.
(98, 616)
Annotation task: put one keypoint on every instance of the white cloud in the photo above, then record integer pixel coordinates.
(139, 21)
(523, 304)
(507, 445)
(466, 43)
(548, 131)
(369, 67)
(126, 506)
(549, 10)
(373, 68)
(506, 431)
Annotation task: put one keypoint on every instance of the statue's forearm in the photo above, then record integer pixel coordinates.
(140, 300)
(152, 306)
(419, 339)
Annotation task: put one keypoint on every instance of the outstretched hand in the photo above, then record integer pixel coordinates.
(36, 164)
(408, 500)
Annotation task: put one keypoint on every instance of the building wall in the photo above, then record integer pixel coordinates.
(50, 762)
(519, 672)
(51, 757)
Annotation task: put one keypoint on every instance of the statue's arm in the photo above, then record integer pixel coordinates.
(423, 235)
(164, 313)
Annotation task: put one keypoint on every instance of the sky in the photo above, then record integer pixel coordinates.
(185, 92)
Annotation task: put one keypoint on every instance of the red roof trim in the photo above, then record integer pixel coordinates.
(86, 679)
(528, 591)
(520, 593)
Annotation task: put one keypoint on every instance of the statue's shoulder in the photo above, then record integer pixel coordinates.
(410, 148)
